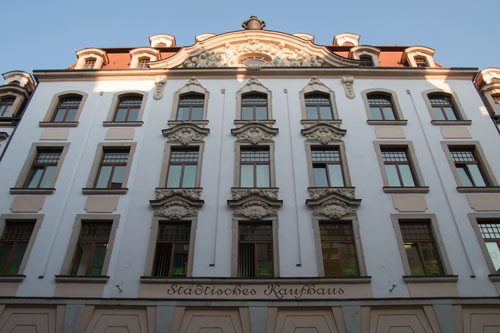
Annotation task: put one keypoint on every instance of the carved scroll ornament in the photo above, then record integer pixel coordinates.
(254, 133)
(185, 133)
(348, 82)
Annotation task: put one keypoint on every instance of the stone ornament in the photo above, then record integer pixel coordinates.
(160, 83)
(176, 203)
(333, 203)
(254, 133)
(348, 82)
(270, 193)
(323, 132)
(319, 192)
(229, 55)
(175, 209)
(334, 209)
(186, 133)
(253, 23)
(191, 193)
(255, 210)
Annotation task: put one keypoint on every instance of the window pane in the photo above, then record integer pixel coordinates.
(5, 250)
(17, 257)
(189, 178)
(120, 114)
(71, 115)
(449, 113)
(320, 179)
(174, 176)
(162, 261)
(97, 261)
(263, 175)
(197, 113)
(246, 260)
(416, 267)
(388, 113)
(247, 113)
(264, 260)
(349, 261)
(376, 114)
(179, 267)
(59, 115)
(476, 175)
(118, 174)
(438, 113)
(312, 112)
(36, 174)
(494, 252)
(325, 112)
(133, 115)
(260, 113)
(246, 175)
(183, 113)
(331, 259)
(464, 178)
(431, 258)
(392, 175)
(335, 172)
(81, 259)
(406, 175)
(48, 176)
(104, 174)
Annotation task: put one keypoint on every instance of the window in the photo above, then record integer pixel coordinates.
(255, 167)
(490, 232)
(254, 106)
(421, 61)
(143, 62)
(182, 168)
(420, 248)
(398, 168)
(381, 107)
(172, 249)
(338, 250)
(13, 244)
(443, 107)
(112, 168)
(318, 106)
(255, 249)
(128, 108)
(497, 102)
(255, 60)
(191, 107)
(468, 167)
(43, 168)
(89, 63)
(6, 105)
(90, 253)
(366, 61)
(67, 109)
(327, 167)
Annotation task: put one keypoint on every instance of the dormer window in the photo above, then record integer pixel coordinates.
(143, 62)
(497, 101)
(89, 63)
(419, 56)
(5, 105)
(91, 59)
(421, 62)
(366, 61)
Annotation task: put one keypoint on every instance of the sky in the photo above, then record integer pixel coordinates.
(46, 34)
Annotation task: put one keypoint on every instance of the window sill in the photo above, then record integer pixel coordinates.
(269, 122)
(122, 123)
(196, 122)
(494, 277)
(430, 279)
(489, 189)
(17, 190)
(324, 121)
(58, 124)
(236, 280)
(451, 122)
(397, 189)
(104, 190)
(81, 279)
(387, 122)
(12, 278)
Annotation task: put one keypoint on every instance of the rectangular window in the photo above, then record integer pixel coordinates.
(420, 247)
(43, 169)
(90, 253)
(338, 249)
(182, 168)
(13, 244)
(490, 231)
(255, 249)
(112, 168)
(254, 167)
(398, 168)
(172, 249)
(468, 167)
(327, 167)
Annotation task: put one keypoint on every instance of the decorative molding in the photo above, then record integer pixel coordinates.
(160, 83)
(191, 193)
(243, 192)
(185, 133)
(176, 205)
(253, 23)
(254, 133)
(323, 132)
(333, 204)
(254, 206)
(348, 82)
(319, 192)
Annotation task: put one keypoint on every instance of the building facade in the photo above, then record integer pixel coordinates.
(253, 182)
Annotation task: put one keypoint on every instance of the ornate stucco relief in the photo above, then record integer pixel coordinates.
(177, 203)
(333, 203)
(348, 82)
(323, 133)
(160, 83)
(255, 203)
(240, 192)
(318, 192)
(186, 133)
(254, 133)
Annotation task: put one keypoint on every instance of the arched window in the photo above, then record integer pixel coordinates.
(6, 105)
(89, 63)
(128, 108)
(381, 107)
(67, 108)
(191, 107)
(143, 62)
(421, 61)
(318, 106)
(366, 60)
(443, 106)
(497, 101)
(254, 106)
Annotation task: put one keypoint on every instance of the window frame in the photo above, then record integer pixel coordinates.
(475, 219)
(315, 87)
(95, 168)
(235, 245)
(73, 242)
(357, 245)
(115, 102)
(396, 108)
(3, 104)
(363, 50)
(406, 146)
(254, 105)
(192, 86)
(15, 108)
(249, 88)
(459, 111)
(487, 172)
(19, 186)
(38, 219)
(438, 241)
(47, 121)
(237, 165)
(150, 260)
(98, 54)
(143, 52)
(183, 164)
(166, 163)
(191, 105)
(310, 146)
(317, 105)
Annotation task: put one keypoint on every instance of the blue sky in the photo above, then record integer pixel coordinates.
(46, 34)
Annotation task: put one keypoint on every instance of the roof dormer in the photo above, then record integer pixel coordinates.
(142, 56)
(346, 39)
(419, 56)
(162, 40)
(19, 78)
(367, 54)
(91, 59)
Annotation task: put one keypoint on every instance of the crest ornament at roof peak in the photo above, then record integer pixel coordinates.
(253, 23)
